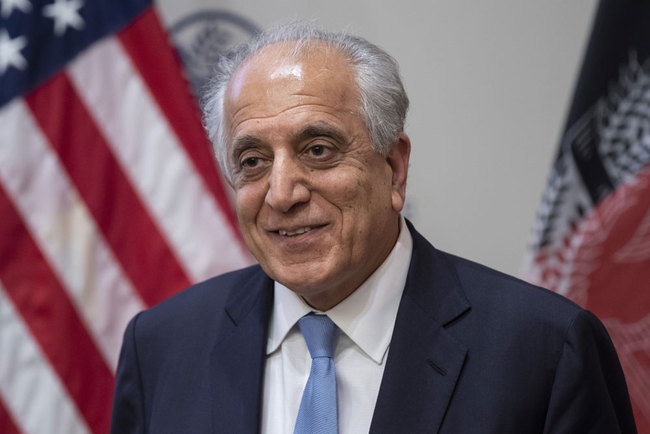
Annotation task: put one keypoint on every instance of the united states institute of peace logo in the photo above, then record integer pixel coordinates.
(201, 38)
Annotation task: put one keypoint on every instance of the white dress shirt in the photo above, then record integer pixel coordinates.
(366, 319)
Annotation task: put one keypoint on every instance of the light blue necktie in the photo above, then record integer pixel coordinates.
(318, 412)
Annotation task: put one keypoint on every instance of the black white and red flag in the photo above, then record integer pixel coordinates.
(110, 201)
(592, 239)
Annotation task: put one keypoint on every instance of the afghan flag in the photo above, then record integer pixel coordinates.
(591, 241)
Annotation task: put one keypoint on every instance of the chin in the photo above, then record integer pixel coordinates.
(301, 284)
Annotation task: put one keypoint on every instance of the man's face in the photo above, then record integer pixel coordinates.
(317, 206)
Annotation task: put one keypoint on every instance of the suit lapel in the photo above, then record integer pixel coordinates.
(424, 360)
(237, 359)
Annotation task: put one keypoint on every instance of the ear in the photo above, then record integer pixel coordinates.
(398, 161)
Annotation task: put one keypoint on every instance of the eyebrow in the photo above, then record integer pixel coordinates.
(321, 129)
(245, 142)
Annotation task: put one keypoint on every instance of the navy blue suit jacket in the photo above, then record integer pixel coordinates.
(473, 351)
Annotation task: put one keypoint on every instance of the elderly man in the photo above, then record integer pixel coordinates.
(352, 322)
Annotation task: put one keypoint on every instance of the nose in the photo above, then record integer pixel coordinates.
(288, 184)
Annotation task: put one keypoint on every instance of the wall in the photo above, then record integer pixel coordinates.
(490, 84)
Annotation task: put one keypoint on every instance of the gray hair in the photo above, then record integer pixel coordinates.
(384, 102)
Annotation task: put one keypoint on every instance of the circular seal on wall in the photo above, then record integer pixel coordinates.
(203, 37)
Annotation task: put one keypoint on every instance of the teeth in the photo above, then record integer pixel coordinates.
(294, 233)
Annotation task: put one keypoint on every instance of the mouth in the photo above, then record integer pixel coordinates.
(294, 233)
(297, 231)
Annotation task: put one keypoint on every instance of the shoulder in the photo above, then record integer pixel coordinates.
(506, 294)
(519, 318)
(201, 305)
(533, 350)
(491, 295)
(496, 306)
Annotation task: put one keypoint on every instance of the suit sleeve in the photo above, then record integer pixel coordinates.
(589, 392)
(128, 404)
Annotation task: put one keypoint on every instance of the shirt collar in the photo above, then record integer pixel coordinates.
(367, 316)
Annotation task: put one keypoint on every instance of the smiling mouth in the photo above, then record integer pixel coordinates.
(294, 233)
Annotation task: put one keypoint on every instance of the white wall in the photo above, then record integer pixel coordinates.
(490, 83)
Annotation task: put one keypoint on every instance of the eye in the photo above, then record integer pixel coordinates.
(320, 150)
(317, 150)
(320, 153)
(250, 162)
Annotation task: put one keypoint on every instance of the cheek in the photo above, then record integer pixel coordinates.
(358, 194)
(346, 194)
(248, 202)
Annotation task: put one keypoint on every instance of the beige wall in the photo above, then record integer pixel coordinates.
(490, 84)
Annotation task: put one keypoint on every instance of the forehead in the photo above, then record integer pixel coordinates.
(280, 77)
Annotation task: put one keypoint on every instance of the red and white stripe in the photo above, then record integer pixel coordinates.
(65, 232)
(110, 202)
(180, 194)
(31, 390)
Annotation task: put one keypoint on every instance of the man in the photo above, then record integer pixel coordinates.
(308, 128)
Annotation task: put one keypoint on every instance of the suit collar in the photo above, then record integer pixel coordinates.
(237, 359)
(424, 360)
(433, 284)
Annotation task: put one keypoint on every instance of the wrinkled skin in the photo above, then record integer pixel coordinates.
(317, 206)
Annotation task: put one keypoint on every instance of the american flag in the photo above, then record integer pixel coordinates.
(592, 240)
(110, 201)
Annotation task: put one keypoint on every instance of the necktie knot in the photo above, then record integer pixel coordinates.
(320, 334)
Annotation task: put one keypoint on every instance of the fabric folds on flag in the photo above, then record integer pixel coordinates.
(592, 238)
(110, 201)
